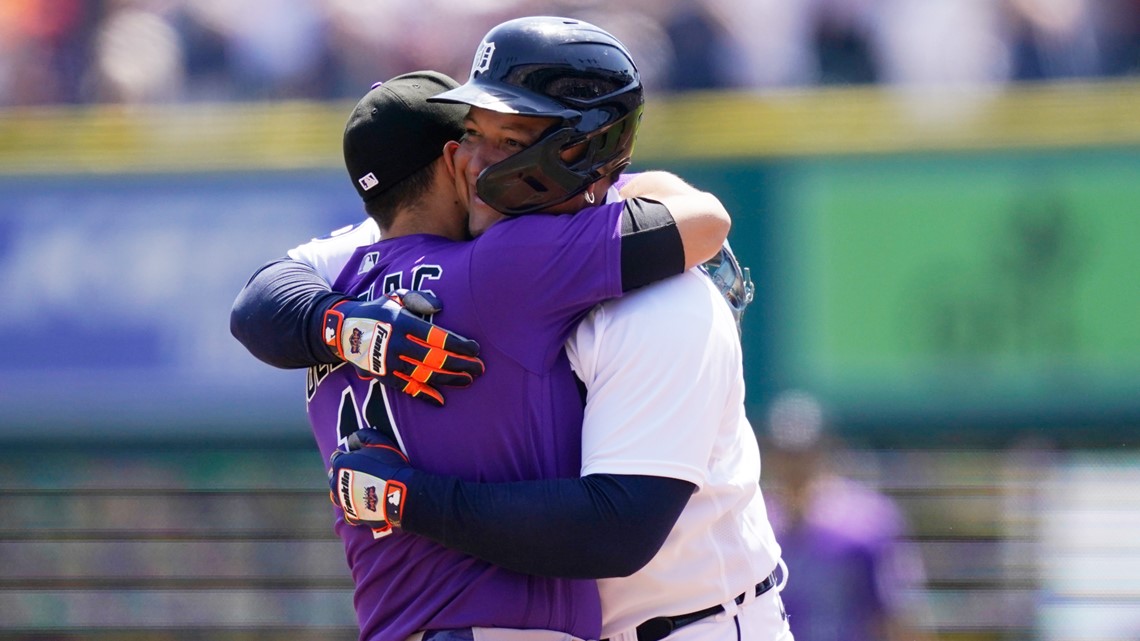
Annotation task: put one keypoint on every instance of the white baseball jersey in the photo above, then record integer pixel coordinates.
(663, 370)
(329, 255)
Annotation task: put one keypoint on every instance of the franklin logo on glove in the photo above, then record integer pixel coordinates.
(346, 502)
(380, 348)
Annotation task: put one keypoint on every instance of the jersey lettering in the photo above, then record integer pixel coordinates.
(392, 282)
(348, 420)
(421, 275)
(424, 273)
(316, 374)
(374, 412)
(377, 413)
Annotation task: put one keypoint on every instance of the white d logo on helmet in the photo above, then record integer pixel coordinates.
(483, 58)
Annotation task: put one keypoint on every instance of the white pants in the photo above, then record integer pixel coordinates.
(509, 634)
(759, 618)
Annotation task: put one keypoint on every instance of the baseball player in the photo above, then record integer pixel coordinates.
(408, 584)
(722, 540)
(667, 512)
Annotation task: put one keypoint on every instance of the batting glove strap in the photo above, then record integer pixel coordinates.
(359, 340)
(399, 349)
(369, 500)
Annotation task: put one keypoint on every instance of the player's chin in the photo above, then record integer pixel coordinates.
(481, 217)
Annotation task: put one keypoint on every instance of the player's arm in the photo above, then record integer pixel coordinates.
(667, 227)
(279, 315)
(288, 316)
(600, 525)
(596, 526)
(701, 221)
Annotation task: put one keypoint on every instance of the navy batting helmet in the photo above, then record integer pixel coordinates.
(562, 68)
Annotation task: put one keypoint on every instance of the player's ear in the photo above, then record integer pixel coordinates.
(449, 149)
(454, 175)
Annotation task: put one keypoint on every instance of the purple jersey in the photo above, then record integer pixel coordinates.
(519, 290)
(849, 563)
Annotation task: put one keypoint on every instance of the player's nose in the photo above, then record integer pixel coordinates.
(481, 158)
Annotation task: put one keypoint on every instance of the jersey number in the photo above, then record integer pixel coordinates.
(373, 414)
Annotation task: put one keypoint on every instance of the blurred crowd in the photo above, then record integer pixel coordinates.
(155, 51)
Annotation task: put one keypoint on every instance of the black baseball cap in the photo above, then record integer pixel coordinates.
(394, 131)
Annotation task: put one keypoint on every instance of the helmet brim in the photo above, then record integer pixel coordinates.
(504, 99)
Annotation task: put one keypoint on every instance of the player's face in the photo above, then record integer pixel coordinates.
(491, 137)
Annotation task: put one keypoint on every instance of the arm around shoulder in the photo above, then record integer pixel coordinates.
(278, 315)
(597, 526)
(700, 217)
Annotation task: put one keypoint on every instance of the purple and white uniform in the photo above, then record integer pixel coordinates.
(519, 290)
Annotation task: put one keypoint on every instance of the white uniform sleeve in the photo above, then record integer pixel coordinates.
(328, 255)
(657, 396)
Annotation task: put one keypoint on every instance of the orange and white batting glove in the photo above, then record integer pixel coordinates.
(385, 340)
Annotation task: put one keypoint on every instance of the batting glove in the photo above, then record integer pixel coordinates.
(384, 340)
(366, 482)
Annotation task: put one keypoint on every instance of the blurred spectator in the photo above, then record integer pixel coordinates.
(273, 49)
(145, 51)
(842, 42)
(771, 41)
(44, 47)
(1054, 39)
(939, 43)
(137, 56)
(701, 57)
(1121, 20)
(852, 575)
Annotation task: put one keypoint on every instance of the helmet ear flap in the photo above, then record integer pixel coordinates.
(539, 177)
(533, 179)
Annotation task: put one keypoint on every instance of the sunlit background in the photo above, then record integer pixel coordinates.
(938, 200)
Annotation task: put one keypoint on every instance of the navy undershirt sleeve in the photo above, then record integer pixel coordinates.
(597, 526)
(651, 247)
(279, 314)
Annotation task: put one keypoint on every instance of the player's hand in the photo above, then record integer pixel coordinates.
(366, 482)
(385, 340)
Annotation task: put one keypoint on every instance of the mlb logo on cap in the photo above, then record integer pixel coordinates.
(368, 181)
(394, 131)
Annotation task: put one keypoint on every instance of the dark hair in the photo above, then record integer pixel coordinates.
(383, 207)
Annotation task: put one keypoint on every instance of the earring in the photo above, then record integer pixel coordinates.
(589, 198)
